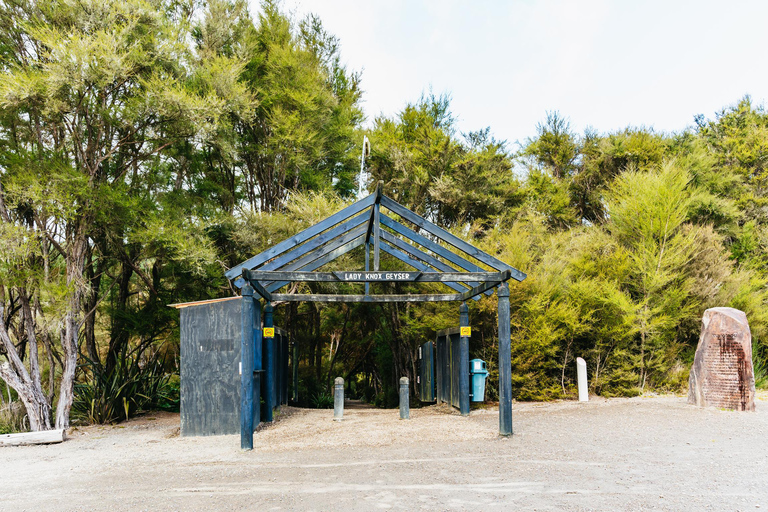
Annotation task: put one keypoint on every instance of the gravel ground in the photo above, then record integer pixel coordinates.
(645, 453)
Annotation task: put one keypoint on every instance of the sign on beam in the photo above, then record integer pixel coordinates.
(364, 277)
(269, 332)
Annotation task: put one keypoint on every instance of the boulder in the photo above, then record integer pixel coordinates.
(722, 374)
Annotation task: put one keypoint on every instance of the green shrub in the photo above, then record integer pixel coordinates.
(108, 397)
(322, 400)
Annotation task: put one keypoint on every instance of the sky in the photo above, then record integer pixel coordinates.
(601, 64)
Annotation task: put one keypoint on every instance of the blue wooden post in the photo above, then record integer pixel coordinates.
(464, 362)
(246, 368)
(505, 363)
(269, 366)
(295, 362)
(258, 372)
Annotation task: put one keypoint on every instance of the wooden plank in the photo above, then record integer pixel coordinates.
(314, 255)
(419, 265)
(259, 288)
(319, 262)
(316, 242)
(290, 297)
(391, 276)
(182, 305)
(481, 288)
(429, 244)
(430, 276)
(449, 238)
(40, 437)
(427, 258)
(302, 237)
(372, 218)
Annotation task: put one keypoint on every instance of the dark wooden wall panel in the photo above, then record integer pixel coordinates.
(210, 376)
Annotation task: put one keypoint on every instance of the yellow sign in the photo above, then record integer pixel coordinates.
(269, 332)
(466, 331)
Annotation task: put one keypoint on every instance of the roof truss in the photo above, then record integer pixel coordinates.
(297, 258)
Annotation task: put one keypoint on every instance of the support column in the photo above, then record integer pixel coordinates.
(295, 371)
(464, 362)
(246, 368)
(505, 363)
(270, 375)
(258, 368)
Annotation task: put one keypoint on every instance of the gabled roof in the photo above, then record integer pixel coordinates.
(362, 223)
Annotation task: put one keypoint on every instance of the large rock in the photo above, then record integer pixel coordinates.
(722, 374)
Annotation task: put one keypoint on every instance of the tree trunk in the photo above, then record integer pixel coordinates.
(15, 374)
(72, 320)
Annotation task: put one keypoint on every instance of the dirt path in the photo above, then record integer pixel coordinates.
(649, 453)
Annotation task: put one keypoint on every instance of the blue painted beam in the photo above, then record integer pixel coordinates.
(464, 362)
(315, 242)
(321, 261)
(429, 244)
(302, 237)
(450, 238)
(477, 290)
(405, 258)
(246, 368)
(400, 244)
(270, 375)
(320, 251)
(505, 363)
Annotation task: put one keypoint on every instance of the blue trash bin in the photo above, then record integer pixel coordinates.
(477, 374)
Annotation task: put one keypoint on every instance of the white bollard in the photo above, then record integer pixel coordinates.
(581, 377)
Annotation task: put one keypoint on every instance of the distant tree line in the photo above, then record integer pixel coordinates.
(146, 147)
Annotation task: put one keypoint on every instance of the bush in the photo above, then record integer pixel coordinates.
(109, 397)
(13, 418)
(322, 400)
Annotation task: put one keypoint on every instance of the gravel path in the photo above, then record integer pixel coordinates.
(646, 453)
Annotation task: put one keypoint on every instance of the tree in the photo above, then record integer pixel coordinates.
(97, 92)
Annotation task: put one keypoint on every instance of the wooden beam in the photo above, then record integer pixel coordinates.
(372, 218)
(427, 258)
(482, 287)
(316, 242)
(319, 262)
(429, 277)
(429, 244)
(302, 237)
(328, 248)
(290, 297)
(419, 265)
(449, 238)
(258, 288)
(40, 437)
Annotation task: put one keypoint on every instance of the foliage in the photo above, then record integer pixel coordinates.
(131, 387)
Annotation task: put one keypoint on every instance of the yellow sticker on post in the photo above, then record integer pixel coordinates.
(269, 332)
(466, 331)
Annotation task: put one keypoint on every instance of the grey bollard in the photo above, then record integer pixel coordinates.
(405, 409)
(338, 399)
(581, 378)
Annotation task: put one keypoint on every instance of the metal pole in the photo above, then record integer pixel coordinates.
(505, 363)
(270, 376)
(464, 362)
(338, 399)
(246, 368)
(405, 406)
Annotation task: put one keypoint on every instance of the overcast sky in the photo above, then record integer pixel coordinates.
(604, 64)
